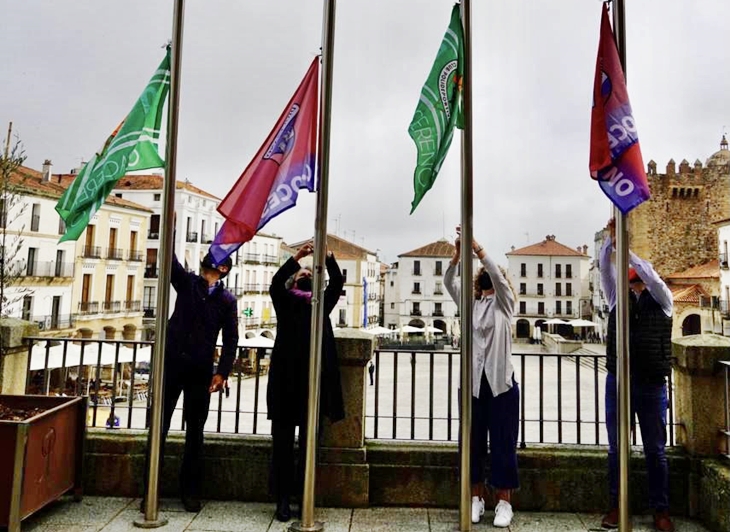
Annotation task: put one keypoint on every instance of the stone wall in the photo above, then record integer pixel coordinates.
(674, 229)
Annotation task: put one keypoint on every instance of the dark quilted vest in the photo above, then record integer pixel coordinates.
(649, 341)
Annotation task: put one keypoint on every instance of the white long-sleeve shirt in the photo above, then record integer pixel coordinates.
(654, 284)
(491, 330)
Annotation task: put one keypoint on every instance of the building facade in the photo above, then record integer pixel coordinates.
(359, 305)
(675, 229)
(32, 227)
(414, 292)
(552, 281)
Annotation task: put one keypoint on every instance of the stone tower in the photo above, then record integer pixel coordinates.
(674, 229)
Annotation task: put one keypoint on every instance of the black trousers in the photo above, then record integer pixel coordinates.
(188, 377)
(287, 479)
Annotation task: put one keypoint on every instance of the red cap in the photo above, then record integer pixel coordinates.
(634, 276)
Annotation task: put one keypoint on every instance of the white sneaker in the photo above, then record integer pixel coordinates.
(502, 514)
(477, 509)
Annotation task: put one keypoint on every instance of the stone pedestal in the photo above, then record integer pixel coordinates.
(343, 476)
(699, 392)
(14, 354)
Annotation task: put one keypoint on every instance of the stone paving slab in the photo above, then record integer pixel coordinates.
(112, 514)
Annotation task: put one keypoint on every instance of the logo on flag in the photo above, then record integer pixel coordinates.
(615, 155)
(284, 164)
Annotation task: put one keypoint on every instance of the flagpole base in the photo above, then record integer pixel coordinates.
(298, 526)
(145, 523)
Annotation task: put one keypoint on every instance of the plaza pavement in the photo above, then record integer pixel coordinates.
(113, 514)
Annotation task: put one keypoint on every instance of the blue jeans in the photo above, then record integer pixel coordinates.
(649, 404)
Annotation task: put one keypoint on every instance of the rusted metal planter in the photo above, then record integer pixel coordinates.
(41, 457)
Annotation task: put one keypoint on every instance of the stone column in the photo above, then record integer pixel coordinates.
(343, 475)
(14, 354)
(699, 392)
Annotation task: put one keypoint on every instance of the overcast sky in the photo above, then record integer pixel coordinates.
(73, 69)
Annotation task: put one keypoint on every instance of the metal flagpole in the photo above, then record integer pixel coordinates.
(308, 524)
(467, 297)
(622, 317)
(152, 518)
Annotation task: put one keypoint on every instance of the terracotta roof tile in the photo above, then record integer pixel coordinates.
(440, 248)
(343, 249)
(708, 270)
(155, 182)
(31, 182)
(688, 294)
(548, 247)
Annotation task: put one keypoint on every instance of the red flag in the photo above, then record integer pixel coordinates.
(615, 155)
(284, 164)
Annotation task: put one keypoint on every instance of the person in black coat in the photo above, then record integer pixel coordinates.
(287, 392)
(202, 309)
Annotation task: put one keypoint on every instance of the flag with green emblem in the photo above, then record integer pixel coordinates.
(132, 146)
(439, 109)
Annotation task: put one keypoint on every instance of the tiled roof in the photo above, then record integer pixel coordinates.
(155, 182)
(440, 248)
(342, 248)
(708, 270)
(688, 294)
(31, 182)
(548, 247)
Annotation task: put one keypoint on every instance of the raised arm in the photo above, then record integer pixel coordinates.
(608, 272)
(178, 276)
(277, 290)
(502, 292)
(654, 284)
(453, 285)
(334, 287)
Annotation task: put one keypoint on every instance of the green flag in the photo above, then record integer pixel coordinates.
(438, 109)
(132, 146)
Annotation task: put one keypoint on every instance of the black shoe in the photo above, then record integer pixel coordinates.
(283, 511)
(191, 504)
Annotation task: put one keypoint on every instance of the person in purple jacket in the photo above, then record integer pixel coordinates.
(202, 309)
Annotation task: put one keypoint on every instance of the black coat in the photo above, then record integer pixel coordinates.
(199, 316)
(287, 391)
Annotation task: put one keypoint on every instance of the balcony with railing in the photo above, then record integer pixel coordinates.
(54, 322)
(408, 428)
(134, 255)
(416, 312)
(438, 313)
(91, 252)
(723, 260)
(114, 254)
(416, 271)
(45, 269)
(191, 236)
(133, 306)
(271, 260)
(205, 238)
(252, 288)
(112, 306)
(153, 235)
(236, 291)
(150, 271)
(416, 291)
(88, 307)
(148, 312)
(251, 258)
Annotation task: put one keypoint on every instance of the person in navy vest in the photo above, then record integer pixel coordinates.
(650, 331)
(203, 308)
(288, 388)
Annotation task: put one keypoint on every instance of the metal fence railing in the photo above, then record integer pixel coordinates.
(414, 396)
(114, 374)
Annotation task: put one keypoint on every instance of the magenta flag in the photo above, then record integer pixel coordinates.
(284, 164)
(615, 155)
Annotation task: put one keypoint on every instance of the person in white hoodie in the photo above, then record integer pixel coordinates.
(495, 393)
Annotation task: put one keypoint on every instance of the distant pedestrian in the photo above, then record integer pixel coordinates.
(371, 371)
(650, 330)
(495, 393)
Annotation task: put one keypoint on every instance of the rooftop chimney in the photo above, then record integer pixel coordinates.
(47, 164)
